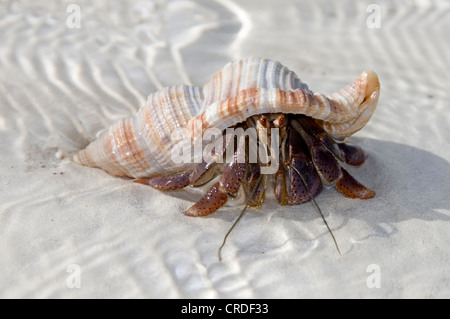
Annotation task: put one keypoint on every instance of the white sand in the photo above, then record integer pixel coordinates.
(60, 86)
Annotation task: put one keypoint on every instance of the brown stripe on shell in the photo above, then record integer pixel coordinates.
(141, 147)
(251, 102)
(129, 153)
(151, 135)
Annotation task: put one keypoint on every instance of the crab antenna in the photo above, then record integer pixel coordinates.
(258, 181)
(317, 207)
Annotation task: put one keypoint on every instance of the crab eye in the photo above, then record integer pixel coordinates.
(263, 121)
(280, 121)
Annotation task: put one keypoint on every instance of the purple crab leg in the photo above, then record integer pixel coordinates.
(353, 155)
(212, 201)
(351, 188)
(168, 183)
(350, 154)
(319, 134)
(298, 181)
(298, 192)
(255, 197)
(325, 163)
(173, 182)
(217, 196)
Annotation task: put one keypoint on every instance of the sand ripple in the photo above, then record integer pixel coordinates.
(60, 85)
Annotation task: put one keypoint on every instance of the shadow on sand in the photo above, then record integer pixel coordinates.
(409, 183)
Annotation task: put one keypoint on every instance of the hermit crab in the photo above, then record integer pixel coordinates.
(292, 141)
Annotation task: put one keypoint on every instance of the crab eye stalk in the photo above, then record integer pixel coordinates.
(263, 121)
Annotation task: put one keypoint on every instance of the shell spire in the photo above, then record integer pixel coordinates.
(111, 148)
(141, 146)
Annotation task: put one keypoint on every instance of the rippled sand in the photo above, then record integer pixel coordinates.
(61, 83)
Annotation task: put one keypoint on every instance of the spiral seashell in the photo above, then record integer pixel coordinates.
(141, 146)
